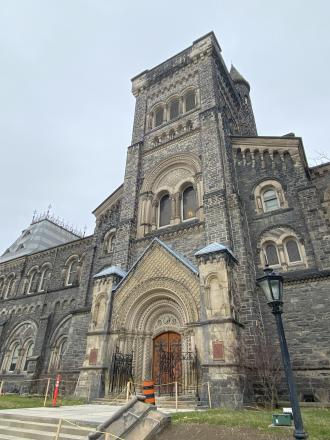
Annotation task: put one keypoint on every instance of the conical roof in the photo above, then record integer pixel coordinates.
(237, 77)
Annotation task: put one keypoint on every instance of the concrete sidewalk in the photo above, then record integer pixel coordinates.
(86, 413)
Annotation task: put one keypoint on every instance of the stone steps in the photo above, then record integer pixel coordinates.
(35, 428)
(161, 402)
(134, 421)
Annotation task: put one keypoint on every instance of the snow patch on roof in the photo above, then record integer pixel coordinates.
(214, 248)
(111, 270)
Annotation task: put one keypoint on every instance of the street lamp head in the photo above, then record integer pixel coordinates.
(272, 286)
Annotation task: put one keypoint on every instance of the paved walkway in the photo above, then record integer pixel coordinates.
(86, 413)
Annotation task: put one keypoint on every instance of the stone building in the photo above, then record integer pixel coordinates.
(165, 287)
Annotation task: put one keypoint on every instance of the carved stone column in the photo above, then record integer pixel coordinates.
(154, 214)
(218, 336)
(92, 377)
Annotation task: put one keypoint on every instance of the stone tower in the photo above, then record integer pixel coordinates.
(186, 110)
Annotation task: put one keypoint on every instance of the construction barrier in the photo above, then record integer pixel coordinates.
(149, 391)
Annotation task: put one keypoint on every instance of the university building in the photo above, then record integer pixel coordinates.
(165, 288)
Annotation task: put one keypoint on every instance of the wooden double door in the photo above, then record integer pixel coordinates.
(167, 361)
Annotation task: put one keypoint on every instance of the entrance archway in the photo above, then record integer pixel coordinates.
(167, 361)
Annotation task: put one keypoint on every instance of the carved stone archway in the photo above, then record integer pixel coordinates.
(153, 311)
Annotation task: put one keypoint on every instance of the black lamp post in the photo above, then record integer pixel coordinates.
(272, 286)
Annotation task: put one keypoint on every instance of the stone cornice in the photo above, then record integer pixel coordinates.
(204, 46)
(173, 231)
(215, 321)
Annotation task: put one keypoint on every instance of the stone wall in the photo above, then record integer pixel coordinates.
(49, 308)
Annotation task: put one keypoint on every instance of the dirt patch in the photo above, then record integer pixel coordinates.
(192, 431)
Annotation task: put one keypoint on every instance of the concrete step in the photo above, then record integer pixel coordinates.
(10, 437)
(41, 426)
(135, 420)
(28, 427)
(36, 434)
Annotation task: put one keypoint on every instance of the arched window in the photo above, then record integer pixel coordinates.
(27, 354)
(109, 241)
(190, 100)
(44, 279)
(159, 116)
(2, 286)
(10, 286)
(188, 203)
(58, 354)
(14, 357)
(61, 352)
(293, 252)
(33, 281)
(174, 109)
(271, 254)
(72, 273)
(164, 210)
(270, 199)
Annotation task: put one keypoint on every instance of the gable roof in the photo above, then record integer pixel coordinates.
(214, 248)
(111, 270)
(174, 253)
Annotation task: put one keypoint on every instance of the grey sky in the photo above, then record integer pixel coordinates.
(66, 108)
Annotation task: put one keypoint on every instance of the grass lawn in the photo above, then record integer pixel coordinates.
(316, 421)
(12, 401)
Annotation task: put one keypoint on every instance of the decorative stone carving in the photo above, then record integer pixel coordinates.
(166, 320)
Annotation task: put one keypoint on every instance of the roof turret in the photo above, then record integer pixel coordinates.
(237, 77)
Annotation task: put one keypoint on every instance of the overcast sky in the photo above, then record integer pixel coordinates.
(66, 107)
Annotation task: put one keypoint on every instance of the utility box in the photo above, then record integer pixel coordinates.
(281, 420)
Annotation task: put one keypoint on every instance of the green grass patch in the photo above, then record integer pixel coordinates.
(316, 421)
(12, 401)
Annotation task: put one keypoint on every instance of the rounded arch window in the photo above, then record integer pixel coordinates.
(174, 108)
(45, 275)
(159, 116)
(190, 100)
(164, 210)
(188, 203)
(2, 286)
(292, 250)
(28, 354)
(33, 281)
(271, 254)
(109, 242)
(10, 286)
(14, 357)
(72, 274)
(270, 199)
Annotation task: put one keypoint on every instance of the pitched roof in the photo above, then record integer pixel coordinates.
(111, 270)
(237, 77)
(175, 254)
(214, 248)
(38, 236)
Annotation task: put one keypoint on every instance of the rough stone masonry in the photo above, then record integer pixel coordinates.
(165, 288)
